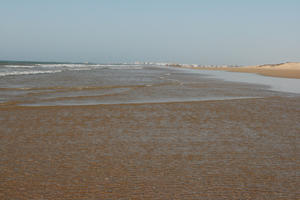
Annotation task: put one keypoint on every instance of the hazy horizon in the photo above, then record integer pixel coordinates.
(192, 32)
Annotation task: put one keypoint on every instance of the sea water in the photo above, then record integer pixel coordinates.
(42, 84)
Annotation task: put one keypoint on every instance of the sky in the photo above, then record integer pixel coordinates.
(216, 32)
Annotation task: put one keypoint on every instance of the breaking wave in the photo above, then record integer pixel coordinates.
(28, 72)
(27, 69)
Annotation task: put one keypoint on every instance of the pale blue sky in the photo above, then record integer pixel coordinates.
(184, 31)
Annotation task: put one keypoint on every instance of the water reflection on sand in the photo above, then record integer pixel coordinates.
(287, 85)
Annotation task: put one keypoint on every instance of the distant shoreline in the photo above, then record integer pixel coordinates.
(284, 70)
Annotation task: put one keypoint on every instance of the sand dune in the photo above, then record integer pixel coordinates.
(288, 65)
(284, 70)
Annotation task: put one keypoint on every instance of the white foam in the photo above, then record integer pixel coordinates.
(92, 66)
(9, 70)
(62, 65)
(19, 66)
(81, 69)
(28, 72)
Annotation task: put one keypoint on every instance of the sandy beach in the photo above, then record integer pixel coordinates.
(146, 132)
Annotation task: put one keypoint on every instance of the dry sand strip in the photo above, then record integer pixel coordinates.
(285, 70)
(233, 149)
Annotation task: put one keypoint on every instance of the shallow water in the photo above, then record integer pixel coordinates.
(286, 85)
(82, 84)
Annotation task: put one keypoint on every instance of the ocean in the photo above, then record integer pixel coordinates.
(50, 84)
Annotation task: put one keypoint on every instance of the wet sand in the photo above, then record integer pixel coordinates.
(227, 149)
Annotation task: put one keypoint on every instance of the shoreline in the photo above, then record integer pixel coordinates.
(285, 70)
